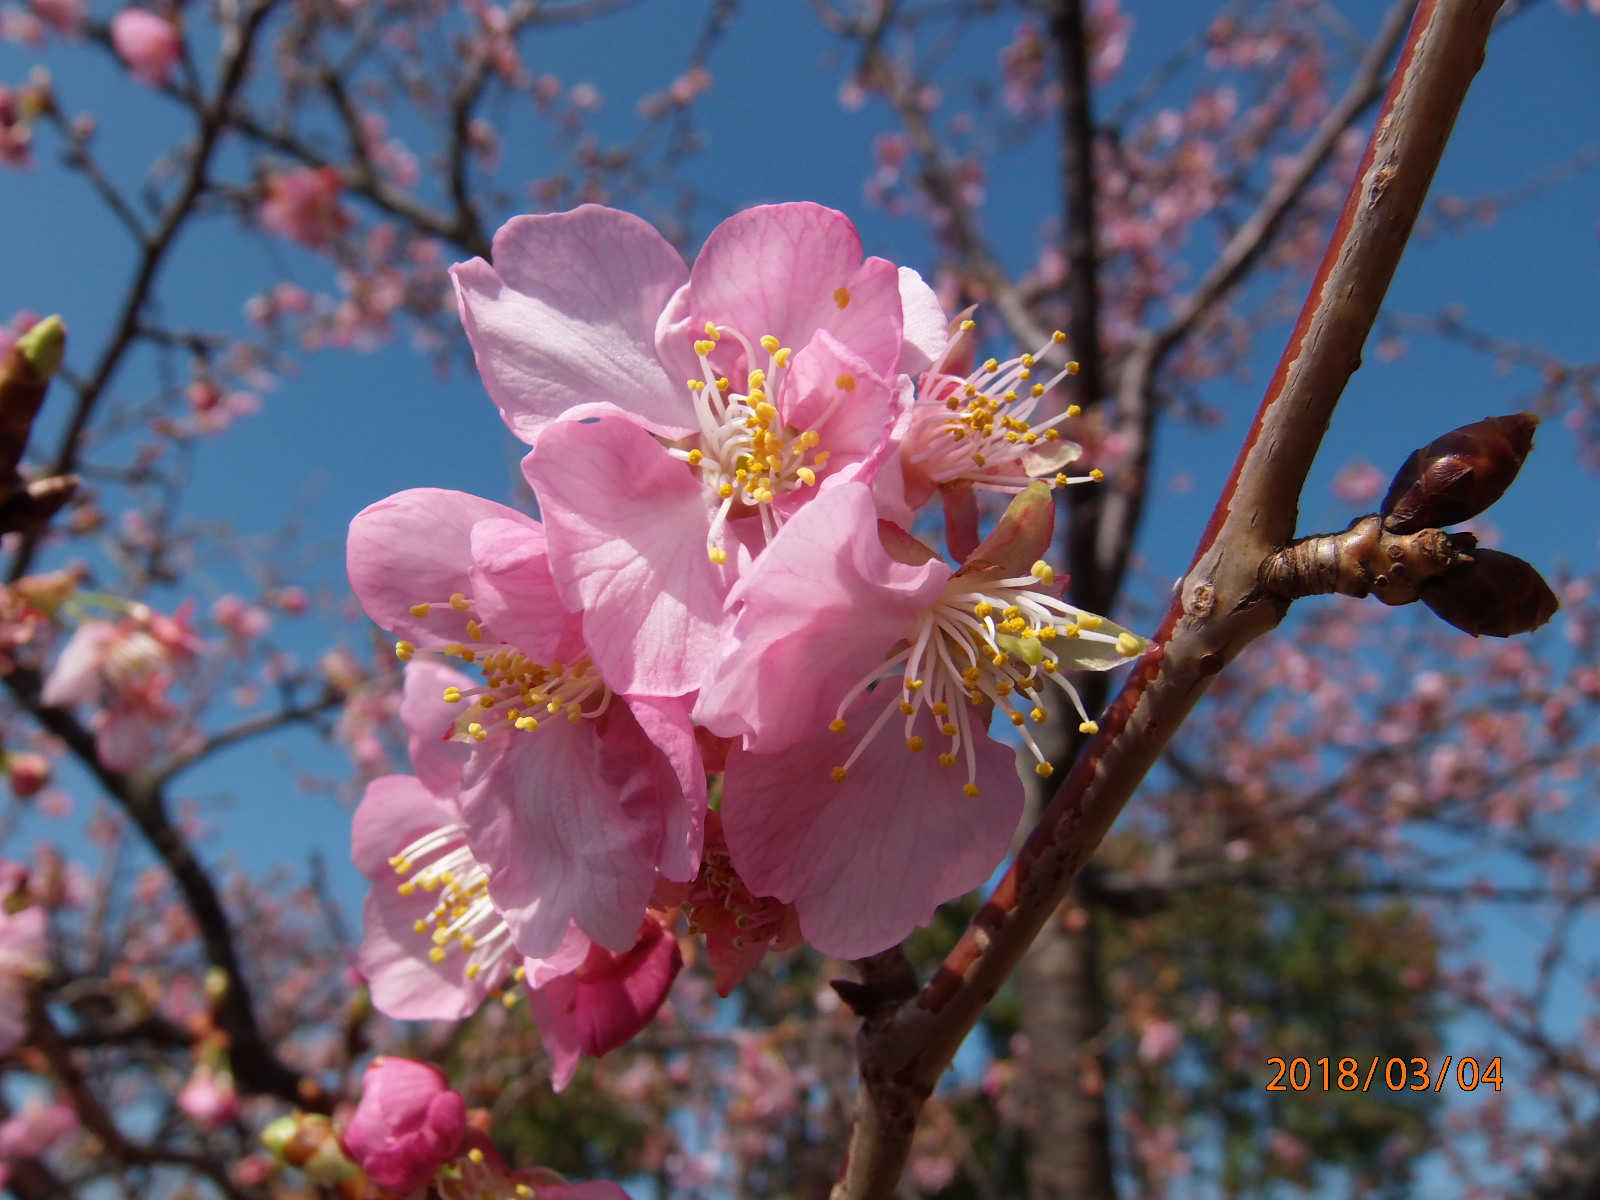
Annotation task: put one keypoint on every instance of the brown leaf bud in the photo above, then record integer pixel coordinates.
(1457, 476)
(1493, 593)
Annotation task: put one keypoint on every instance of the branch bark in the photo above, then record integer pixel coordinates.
(1208, 623)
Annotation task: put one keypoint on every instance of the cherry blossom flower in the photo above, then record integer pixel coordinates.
(148, 44)
(39, 1125)
(843, 625)
(571, 811)
(24, 936)
(303, 205)
(209, 1096)
(728, 394)
(126, 668)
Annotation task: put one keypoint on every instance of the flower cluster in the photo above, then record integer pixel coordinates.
(727, 459)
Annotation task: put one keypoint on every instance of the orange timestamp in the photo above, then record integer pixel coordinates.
(1397, 1074)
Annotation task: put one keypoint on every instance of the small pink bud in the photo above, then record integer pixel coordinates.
(408, 1124)
(147, 43)
(27, 772)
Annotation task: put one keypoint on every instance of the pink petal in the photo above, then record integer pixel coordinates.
(408, 1124)
(820, 607)
(568, 823)
(926, 327)
(394, 811)
(775, 269)
(665, 722)
(516, 596)
(75, 678)
(627, 525)
(415, 547)
(619, 994)
(552, 1009)
(429, 719)
(867, 860)
(563, 324)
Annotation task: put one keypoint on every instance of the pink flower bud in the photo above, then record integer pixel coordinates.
(408, 1124)
(209, 1098)
(147, 43)
(27, 772)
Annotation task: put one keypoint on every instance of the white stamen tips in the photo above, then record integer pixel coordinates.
(841, 297)
(1043, 572)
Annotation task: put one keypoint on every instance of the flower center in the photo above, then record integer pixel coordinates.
(995, 642)
(745, 452)
(978, 429)
(463, 916)
(515, 687)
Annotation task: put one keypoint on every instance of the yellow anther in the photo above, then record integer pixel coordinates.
(696, 458)
(473, 970)
(574, 712)
(992, 365)
(703, 348)
(841, 296)
(477, 732)
(487, 701)
(725, 490)
(839, 774)
(468, 943)
(452, 695)
(437, 954)
(915, 743)
(697, 385)
(711, 330)
(1090, 620)
(1058, 338)
(836, 725)
(1043, 572)
(770, 343)
(421, 610)
(1074, 410)
(1089, 727)
(809, 439)
(1072, 368)
(1008, 396)
(968, 326)
(1130, 645)
(1039, 715)
(766, 411)
(807, 476)
(404, 650)
(723, 385)
(716, 553)
(907, 708)
(459, 602)
(941, 709)
(823, 456)
(947, 760)
(845, 383)
(755, 379)
(475, 631)
(1048, 666)
(983, 609)
(970, 791)
(1017, 718)
(948, 729)
(1000, 659)
(781, 358)
(1097, 474)
(527, 724)
(1044, 770)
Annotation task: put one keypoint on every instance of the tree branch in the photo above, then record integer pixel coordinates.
(1215, 615)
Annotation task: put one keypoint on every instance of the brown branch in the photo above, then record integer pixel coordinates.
(1207, 625)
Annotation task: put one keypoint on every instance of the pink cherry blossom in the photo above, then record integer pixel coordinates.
(126, 668)
(24, 937)
(408, 1124)
(603, 1000)
(39, 1125)
(209, 1097)
(773, 367)
(148, 44)
(571, 811)
(865, 838)
(303, 205)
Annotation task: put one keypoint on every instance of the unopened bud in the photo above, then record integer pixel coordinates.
(44, 346)
(307, 1142)
(216, 984)
(1492, 593)
(27, 772)
(1455, 477)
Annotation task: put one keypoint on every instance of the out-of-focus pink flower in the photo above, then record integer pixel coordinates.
(408, 1124)
(64, 16)
(209, 1098)
(126, 668)
(303, 205)
(24, 936)
(1358, 482)
(26, 771)
(602, 1002)
(38, 1126)
(148, 44)
(1159, 1041)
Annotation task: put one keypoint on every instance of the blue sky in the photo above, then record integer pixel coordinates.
(350, 428)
